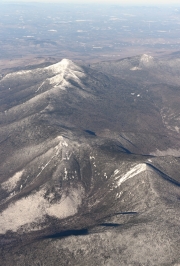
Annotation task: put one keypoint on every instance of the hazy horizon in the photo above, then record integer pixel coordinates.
(127, 2)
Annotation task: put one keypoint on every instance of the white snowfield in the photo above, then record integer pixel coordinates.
(14, 74)
(11, 183)
(146, 61)
(135, 68)
(66, 66)
(146, 58)
(137, 169)
(35, 207)
(28, 213)
(65, 70)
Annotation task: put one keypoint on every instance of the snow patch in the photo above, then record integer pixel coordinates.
(14, 74)
(67, 206)
(65, 174)
(64, 143)
(63, 71)
(26, 210)
(131, 173)
(177, 129)
(34, 208)
(60, 66)
(116, 172)
(56, 79)
(146, 59)
(39, 87)
(105, 175)
(135, 68)
(11, 183)
(118, 195)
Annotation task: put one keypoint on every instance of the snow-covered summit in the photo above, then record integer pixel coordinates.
(65, 68)
(63, 65)
(146, 59)
(63, 71)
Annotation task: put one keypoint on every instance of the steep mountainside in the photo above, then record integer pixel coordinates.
(89, 164)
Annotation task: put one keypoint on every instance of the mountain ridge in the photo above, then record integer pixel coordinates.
(88, 152)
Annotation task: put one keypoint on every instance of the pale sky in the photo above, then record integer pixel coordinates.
(133, 2)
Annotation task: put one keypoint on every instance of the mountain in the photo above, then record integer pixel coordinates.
(89, 163)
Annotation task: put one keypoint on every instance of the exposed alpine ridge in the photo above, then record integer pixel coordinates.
(89, 164)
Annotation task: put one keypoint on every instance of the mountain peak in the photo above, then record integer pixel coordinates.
(146, 59)
(63, 66)
(65, 62)
(60, 66)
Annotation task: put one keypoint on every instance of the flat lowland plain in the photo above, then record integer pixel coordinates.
(30, 34)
